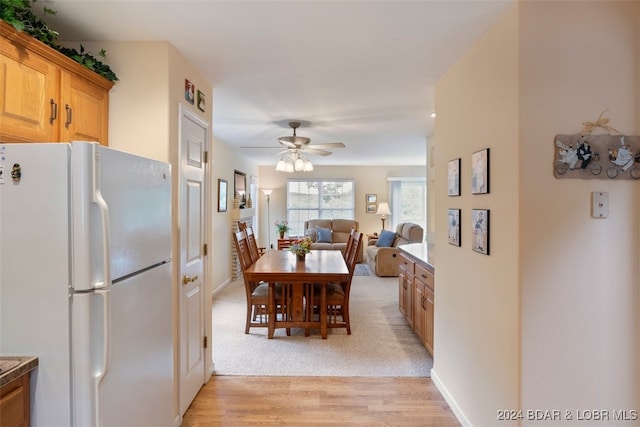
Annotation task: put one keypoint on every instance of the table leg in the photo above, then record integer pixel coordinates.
(271, 309)
(323, 311)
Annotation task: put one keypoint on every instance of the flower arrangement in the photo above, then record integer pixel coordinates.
(282, 226)
(301, 246)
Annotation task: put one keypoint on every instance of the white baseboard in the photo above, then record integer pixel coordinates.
(457, 411)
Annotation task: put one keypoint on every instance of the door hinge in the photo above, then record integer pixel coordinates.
(206, 157)
(204, 342)
(205, 250)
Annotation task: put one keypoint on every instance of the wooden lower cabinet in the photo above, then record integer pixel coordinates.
(14, 402)
(417, 286)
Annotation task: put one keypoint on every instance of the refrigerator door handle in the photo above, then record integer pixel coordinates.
(104, 222)
(103, 368)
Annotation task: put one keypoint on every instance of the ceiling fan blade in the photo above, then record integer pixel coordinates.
(328, 145)
(315, 151)
(287, 141)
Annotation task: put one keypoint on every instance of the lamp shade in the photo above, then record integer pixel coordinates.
(383, 209)
(267, 191)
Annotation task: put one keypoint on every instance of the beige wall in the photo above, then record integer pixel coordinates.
(368, 180)
(550, 319)
(579, 276)
(476, 359)
(144, 118)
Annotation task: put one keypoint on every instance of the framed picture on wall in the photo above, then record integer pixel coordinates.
(201, 101)
(222, 195)
(453, 177)
(454, 226)
(480, 172)
(189, 90)
(480, 230)
(371, 198)
(371, 208)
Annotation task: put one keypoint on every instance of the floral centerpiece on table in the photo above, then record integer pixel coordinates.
(301, 247)
(282, 226)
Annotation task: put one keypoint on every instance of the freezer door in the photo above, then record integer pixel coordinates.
(123, 355)
(121, 214)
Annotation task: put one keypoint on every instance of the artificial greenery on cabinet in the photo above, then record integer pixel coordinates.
(19, 14)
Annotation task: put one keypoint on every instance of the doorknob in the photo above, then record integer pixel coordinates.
(186, 279)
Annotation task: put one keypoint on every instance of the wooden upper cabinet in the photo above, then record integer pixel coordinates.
(46, 96)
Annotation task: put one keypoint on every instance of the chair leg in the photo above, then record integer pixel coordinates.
(248, 321)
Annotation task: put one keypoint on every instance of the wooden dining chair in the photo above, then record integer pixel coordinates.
(337, 294)
(257, 293)
(253, 245)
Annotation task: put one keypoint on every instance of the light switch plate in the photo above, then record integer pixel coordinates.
(599, 204)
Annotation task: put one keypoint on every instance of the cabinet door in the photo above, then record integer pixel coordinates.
(28, 95)
(84, 110)
(406, 295)
(419, 312)
(429, 311)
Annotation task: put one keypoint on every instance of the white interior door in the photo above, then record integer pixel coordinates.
(193, 142)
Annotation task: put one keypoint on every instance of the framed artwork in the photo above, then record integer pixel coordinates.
(222, 195)
(454, 226)
(240, 187)
(371, 198)
(371, 208)
(480, 230)
(480, 172)
(453, 177)
(201, 102)
(189, 89)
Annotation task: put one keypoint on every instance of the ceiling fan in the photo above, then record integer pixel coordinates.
(302, 144)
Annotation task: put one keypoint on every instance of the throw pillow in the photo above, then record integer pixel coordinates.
(386, 238)
(324, 235)
(312, 234)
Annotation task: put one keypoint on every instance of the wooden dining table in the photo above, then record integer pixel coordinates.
(297, 279)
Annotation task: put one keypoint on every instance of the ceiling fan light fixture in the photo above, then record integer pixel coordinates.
(281, 166)
(308, 167)
(299, 164)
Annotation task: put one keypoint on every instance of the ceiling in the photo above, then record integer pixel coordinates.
(360, 72)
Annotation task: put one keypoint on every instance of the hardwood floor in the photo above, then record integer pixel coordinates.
(296, 401)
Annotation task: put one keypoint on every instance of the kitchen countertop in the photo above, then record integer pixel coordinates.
(421, 251)
(25, 365)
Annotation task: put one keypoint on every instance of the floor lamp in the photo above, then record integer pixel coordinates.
(267, 192)
(383, 209)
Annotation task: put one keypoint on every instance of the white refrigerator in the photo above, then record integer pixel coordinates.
(85, 282)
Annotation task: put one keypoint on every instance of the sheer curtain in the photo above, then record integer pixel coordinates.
(408, 201)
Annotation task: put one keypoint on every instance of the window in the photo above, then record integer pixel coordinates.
(408, 201)
(318, 198)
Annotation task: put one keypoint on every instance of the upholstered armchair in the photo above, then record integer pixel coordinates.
(382, 257)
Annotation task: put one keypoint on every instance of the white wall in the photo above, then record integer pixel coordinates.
(579, 275)
(550, 319)
(476, 337)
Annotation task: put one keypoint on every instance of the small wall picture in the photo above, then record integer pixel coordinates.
(371, 208)
(480, 172)
(189, 91)
(371, 198)
(480, 230)
(454, 226)
(222, 195)
(201, 102)
(453, 177)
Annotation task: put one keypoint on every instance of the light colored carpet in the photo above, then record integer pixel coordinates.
(381, 343)
(361, 270)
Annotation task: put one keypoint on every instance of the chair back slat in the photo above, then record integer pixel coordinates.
(242, 247)
(253, 244)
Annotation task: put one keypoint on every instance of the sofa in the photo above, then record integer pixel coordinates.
(382, 257)
(334, 234)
